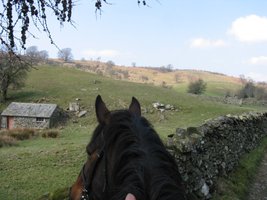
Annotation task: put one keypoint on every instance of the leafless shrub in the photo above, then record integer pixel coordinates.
(6, 140)
(20, 134)
(50, 133)
(144, 78)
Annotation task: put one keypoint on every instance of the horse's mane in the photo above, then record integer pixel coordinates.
(138, 161)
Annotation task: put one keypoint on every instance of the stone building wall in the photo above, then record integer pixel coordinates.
(213, 149)
(3, 122)
(58, 118)
(30, 122)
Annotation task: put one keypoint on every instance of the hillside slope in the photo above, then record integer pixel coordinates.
(218, 84)
(156, 75)
(41, 165)
(61, 85)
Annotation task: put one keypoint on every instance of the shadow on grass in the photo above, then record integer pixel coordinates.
(24, 96)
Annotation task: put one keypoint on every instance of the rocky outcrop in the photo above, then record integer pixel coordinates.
(213, 149)
(162, 107)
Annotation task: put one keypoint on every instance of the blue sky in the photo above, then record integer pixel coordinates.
(226, 36)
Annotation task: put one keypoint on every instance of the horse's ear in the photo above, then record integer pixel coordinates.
(130, 197)
(102, 113)
(135, 107)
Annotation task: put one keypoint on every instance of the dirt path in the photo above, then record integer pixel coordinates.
(258, 190)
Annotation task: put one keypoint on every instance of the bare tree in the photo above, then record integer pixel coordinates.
(177, 78)
(36, 56)
(169, 67)
(17, 16)
(32, 51)
(13, 71)
(243, 79)
(65, 54)
(43, 55)
(110, 63)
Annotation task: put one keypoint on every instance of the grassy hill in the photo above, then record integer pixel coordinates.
(218, 84)
(60, 85)
(38, 166)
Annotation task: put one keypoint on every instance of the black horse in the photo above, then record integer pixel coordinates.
(126, 160)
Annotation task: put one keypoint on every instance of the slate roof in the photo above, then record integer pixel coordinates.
(29, 110)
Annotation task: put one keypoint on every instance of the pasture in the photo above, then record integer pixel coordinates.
(41, 165)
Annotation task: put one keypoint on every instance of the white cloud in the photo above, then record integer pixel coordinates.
(102, 53)
(205, 43)
(260, 60)
(251, 28)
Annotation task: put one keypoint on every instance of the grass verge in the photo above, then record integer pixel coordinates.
(237, 185)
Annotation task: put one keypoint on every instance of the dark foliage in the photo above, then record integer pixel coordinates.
(197, 87)
(247, 91)
(252, 90)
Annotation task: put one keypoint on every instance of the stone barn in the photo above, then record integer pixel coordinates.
(29, 115)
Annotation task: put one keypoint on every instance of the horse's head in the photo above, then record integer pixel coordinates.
(126, 160)
(92, 182)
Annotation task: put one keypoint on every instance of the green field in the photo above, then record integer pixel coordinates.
(38, 166)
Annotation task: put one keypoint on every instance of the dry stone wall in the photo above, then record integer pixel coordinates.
(212, 150)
